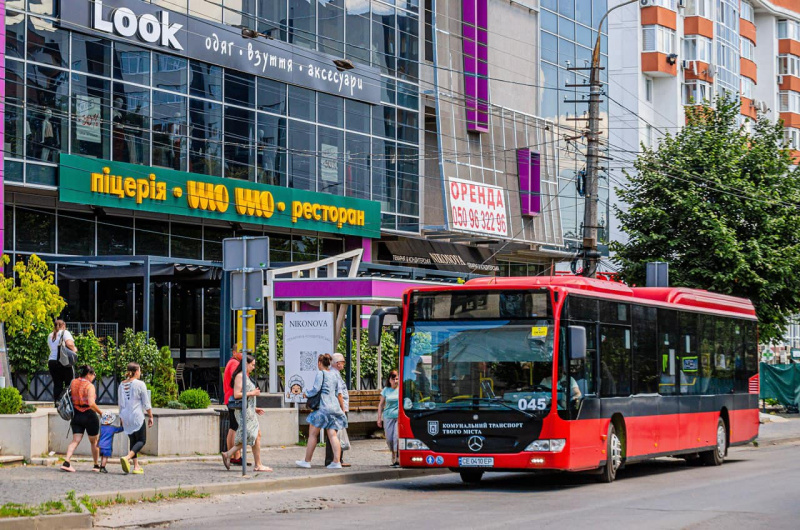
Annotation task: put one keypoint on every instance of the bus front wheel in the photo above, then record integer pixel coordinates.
(471, 477)
(613, 456)
(716, 456)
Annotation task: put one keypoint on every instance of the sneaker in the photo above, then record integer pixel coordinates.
(335, 465)
(68, 468)
(126, 466)
(96, 468)
(302, 463)
(103, 470)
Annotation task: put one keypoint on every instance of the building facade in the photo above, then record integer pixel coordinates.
(689, 50)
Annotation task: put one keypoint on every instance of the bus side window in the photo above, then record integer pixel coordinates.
(667, 329)
(689, 362)
(645, 361)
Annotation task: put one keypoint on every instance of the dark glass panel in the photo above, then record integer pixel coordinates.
(240, 89)
(47, 43)
(357, 166)
(114, 236)
(91, 55)
(330, 110)
(131, 63)
(152, 238)
(170, 72)
(302, 103)
(239, 143)
(131, 124)
(48, 107)
(302, 163)
(170, 130)
(205, 80)
(35, 231)
(271, 155)
(205, 142)
(357, 116)
(75, 233)
(186, 241)
(271, 96)
(645, 361)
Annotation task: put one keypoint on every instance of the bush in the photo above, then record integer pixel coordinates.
(176, 405)
(262, 352)
(136, 348)
(28, 354)
(195, 398)
(10, 400)
(91, 352)
(165, 389)
(27, 408)
(369, 356)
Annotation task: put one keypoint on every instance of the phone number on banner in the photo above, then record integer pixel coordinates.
(481, 221)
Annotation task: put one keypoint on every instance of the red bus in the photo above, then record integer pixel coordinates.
(640, 372)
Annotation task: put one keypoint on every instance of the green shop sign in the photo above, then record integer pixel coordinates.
(134, 187)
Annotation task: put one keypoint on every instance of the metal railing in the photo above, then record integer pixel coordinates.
(100, 329)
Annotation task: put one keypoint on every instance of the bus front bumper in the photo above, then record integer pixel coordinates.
(485, 462)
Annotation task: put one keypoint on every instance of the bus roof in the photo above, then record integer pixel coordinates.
(677, 296)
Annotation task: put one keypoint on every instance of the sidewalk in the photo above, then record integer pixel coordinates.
(36, 484)
(781, 428)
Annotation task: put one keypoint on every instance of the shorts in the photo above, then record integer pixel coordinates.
(106, 452)
(233, 424)
(87, 422)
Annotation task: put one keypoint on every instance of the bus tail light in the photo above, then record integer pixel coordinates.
(412, 444)
(547, 446)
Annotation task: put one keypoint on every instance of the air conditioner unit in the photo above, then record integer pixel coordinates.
(780, 79)
(646, 3)
(712, 70)
(762, 107)
(681, 3)
(686, 64)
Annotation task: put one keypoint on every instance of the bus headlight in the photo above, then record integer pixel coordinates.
(547, 446)
(412, 444)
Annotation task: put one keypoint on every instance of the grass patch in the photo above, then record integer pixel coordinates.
(93, 505)
(12, 509)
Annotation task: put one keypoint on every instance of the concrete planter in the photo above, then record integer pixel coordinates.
(24, 434)
(279, 427)
(60, 436)
(183, 432)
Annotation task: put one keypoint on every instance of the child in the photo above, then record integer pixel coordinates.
(107, 432)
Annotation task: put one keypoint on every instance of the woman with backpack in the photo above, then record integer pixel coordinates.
(85, 418)
(62, 375)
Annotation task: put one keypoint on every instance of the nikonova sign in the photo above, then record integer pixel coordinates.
(160, 29)
(125, 23)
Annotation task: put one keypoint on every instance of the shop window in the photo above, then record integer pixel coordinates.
(240, 89)
(91, 117)
(383, 37)
(75, 233)
(211, 310)
(304, 248)
(302, 163)
(15, 34)
(37, 174)
(271, 150)
(384, 174)
(91, 55)
(35, 230)
(205, 81)
(302, 103)
(170, 72)
(280, 249)
(272, 18)
(212, 242)
(205, 142)
(169, 130)
(47, 43)
(331, 27)
(186, 241)
(46, 119)
(271, 96)
(131, 124)
(357, 116)
(152, 238)
(13, 172)
(131, 64)
(407, 126)
(239, 143)
(16, 129)
(114, 236)
(383, 121)
(357, 36)
(330, 148)
(357, 168)
(330, 110)
(302, 23)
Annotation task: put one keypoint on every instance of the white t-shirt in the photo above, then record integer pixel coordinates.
(134, 401)
(54, 343)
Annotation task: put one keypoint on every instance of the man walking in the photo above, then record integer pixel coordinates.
(337, 366)
(234, 361)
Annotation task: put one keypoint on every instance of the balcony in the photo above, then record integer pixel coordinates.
(657, 64)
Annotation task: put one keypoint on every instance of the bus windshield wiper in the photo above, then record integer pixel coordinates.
(494, 401)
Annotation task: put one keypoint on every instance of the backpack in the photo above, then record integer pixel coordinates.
(64, 406)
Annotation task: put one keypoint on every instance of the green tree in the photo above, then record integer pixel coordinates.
(33, 301)
(721, 205)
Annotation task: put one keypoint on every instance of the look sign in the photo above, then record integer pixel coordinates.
(125, 23)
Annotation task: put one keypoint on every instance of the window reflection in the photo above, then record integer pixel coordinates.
(383, 37)
(302, 103)
(14, 115)
(114, 236)
(131, 122)
(170, 72)
(302, 166)
(357, 166)
(408, 180)
(91, 117)
(357, 116)
(239, 142)
(240, 89)
(91, 55)
(169, 130)
(330, 160)
(331, 110)
(357, 35)
(383, 174)
(271, 96)
(205, 135)
(302, 23)
(36, 230)
(131, 64)
(331, 27)
(47, 44)
(272, 18)
(271, 150)
(152, 238)
(15, 34)
(205, 81)
(407, 45)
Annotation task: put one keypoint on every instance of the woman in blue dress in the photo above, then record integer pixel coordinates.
(329, 416)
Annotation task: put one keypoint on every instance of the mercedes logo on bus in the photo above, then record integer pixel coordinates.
(475, 443)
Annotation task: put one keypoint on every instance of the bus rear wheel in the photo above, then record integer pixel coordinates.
(471, 477)
(613, 457)
(716, 456)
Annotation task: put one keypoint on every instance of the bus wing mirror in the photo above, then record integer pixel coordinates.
(376, 323)
(577, 343)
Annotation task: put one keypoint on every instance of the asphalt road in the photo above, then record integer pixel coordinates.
(755, 488)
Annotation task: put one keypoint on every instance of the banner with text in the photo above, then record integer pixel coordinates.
(306, 336)
(153, 189)
(478, 208)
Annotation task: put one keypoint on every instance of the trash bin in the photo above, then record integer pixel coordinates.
(224, 425)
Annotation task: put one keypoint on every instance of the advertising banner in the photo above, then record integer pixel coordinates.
(153, 189)
(306, 336)
(152, 26)
(87, 118)
(478, 208)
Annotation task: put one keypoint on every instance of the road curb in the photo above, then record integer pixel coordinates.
(255, 486)
(48, 522)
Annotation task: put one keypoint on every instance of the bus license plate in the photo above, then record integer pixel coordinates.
(475, 461)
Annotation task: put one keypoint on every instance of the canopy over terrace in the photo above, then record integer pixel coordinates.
(344, 290)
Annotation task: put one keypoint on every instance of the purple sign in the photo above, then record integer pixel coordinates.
(476, 63)
(530, 181)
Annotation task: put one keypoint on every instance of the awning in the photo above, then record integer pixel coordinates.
(159, 272)
(441, 256)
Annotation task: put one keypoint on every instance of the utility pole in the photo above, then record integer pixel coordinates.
(589, 253)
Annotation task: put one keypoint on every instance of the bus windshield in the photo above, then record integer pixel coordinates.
(479, 350)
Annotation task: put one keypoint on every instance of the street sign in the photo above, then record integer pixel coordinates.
(234, 250)
(247, 290)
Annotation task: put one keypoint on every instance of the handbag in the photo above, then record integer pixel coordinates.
(344, 440)
(314, 401)
(66, 356)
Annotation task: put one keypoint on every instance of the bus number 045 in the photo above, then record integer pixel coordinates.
(533, 404)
